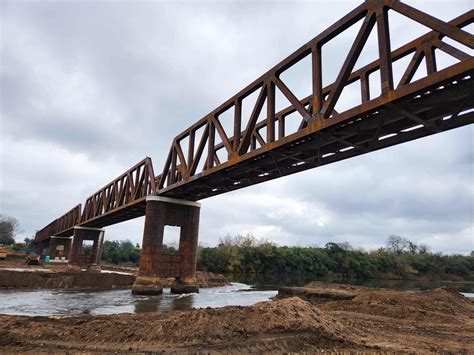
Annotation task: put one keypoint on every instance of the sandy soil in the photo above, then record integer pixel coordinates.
(378, 320)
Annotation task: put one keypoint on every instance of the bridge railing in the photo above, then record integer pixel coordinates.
(63, 223)
(47, 231)
(135, 183)
(197, 150)
(69, 220)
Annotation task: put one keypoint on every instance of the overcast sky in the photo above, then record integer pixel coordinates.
(89, 88)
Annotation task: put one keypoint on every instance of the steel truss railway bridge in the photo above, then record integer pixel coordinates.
(208, 159)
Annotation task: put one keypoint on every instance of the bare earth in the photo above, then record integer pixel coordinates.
(361, 319)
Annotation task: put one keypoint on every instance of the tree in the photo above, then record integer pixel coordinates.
(412, 247)
(397, 245)
(121, 252)
(29, 241)
(8, 229)
(424, 249)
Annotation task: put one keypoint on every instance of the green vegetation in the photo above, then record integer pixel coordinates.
(400, 258)
(124, 252)
(118, 252)
(8, 229)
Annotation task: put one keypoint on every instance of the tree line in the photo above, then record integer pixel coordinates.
(400, 258)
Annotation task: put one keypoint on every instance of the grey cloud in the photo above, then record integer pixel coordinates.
(89, 88)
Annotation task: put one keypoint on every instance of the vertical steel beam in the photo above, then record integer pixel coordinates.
(211, 145)
(270, 112)
(237, 124)
(386, 75)
(317, 79)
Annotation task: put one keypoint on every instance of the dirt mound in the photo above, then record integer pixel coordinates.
(442, 304)
(289, 315)
(269, 324)
(440, 320)
(315, 295)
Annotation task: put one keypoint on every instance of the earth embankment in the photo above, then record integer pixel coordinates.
(380, 320)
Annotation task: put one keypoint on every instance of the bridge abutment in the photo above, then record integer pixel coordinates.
(96, 235)
(160, 212)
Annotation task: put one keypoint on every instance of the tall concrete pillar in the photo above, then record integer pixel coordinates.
(81, 234)
(53, 243)
(162, 211)
(67, 247)
(152, 244)
(188, 242)
(96, 248)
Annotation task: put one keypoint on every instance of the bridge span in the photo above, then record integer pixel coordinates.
(211, 158)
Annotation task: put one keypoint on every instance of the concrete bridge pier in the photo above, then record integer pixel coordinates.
(86, 233)
(59, 247)
(162, 211)
(53, 243)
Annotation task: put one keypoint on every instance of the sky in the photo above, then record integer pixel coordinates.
(89, 88)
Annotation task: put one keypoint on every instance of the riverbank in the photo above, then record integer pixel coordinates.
(16, 274)
(439, 320)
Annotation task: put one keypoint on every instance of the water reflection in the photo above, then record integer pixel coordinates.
(147, 304)
(184, 301)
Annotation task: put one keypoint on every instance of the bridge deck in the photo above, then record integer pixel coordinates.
(129, 211)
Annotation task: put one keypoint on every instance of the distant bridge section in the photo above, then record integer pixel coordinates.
(120, 200)
(210, 158)
(63, 226)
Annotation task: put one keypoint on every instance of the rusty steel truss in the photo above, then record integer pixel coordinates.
(207, 159)
(64, 223)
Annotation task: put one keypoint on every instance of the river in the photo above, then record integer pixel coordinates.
(244, 290)
(66, 303)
